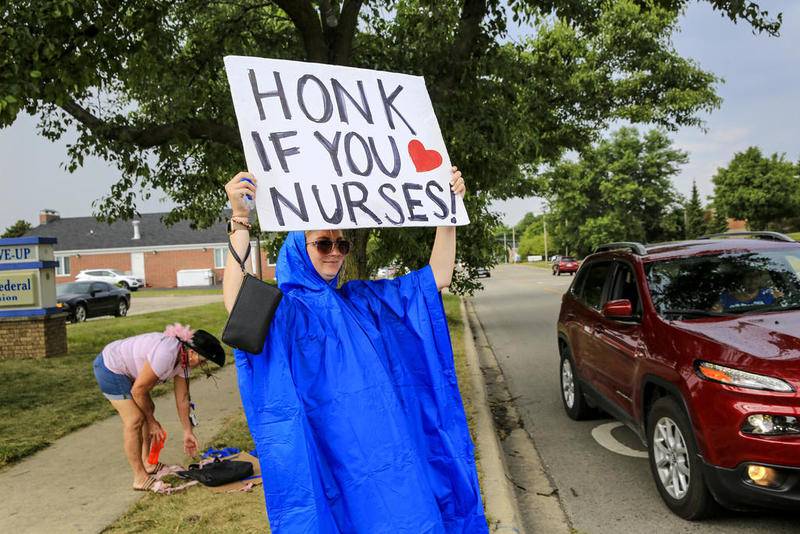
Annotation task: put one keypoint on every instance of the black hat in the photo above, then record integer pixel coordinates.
(208, 346)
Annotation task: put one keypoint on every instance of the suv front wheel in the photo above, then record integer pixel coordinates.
(571, 391)
(674, 462)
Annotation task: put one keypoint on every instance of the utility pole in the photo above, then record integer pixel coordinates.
(544, 221)
(514, 243)
(505, 246)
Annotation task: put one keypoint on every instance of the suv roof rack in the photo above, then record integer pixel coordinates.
(770, 236)
(636, 248)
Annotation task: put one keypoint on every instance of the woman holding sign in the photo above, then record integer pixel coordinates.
(353, 402)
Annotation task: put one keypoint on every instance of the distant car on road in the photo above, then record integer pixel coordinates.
(565, 264)
(82, 300)
(482, 272)
(694, 345)
(112, 276)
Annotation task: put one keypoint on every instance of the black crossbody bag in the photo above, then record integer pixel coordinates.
(218, 472)
(252, 312)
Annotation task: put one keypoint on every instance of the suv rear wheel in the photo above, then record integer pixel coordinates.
(571, 391)
(674, 462)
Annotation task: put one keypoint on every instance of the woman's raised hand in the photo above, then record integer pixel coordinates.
(237, 188)
(457, 182)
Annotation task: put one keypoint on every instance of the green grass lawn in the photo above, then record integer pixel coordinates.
(198, 510)
(42, 400)
(795, 236)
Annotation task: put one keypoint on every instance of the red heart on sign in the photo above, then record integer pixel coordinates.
(424, 160)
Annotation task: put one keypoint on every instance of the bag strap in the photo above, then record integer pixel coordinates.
(184, 355)
(236, 256)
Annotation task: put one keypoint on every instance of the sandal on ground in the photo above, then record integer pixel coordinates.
(155, 469)
(147, 485)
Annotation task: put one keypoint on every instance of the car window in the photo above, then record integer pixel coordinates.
(72, 287)
(567, 258)
(105, 287)
(595, 280)
(742, 282)
(624, 287)
(97, 286)
(577, 284)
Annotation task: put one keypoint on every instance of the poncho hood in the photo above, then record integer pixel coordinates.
(295, 271)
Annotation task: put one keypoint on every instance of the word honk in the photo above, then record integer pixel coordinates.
(338, 147)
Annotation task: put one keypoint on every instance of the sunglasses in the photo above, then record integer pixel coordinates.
(325, 246)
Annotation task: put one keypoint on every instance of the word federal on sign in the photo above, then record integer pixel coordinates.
(340, 147)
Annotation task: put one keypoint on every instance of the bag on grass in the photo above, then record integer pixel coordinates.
(218, 472)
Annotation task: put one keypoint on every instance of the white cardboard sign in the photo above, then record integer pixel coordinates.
(340, 147)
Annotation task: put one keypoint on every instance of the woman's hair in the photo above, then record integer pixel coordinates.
(182, 332)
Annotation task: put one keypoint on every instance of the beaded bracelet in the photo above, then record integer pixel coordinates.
(243, 221)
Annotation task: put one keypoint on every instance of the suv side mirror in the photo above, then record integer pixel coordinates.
(618, 309)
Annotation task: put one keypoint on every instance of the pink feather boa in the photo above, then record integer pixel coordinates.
(184, 333)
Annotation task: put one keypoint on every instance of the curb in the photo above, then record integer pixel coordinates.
(500, 503)
(535, 492)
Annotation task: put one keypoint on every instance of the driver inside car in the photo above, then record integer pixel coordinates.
(756, 288)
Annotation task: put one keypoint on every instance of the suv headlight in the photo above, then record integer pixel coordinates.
(742, 379)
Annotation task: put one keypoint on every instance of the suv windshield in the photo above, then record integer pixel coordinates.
(737, 283)
(72, 287)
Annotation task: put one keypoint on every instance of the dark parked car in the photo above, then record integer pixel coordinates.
(91, 299)
(696, 347)
(565, 264)
(482, 272)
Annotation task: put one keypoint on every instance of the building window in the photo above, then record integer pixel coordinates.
(63, 266)
(219, 257)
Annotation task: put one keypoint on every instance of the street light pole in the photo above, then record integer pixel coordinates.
(544, 221)
(514, 243)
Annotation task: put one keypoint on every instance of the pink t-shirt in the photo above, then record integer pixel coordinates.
(127, 356)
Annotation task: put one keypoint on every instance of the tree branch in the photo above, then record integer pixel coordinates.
(466, 40)
(306, 21)
(155, 134)
(346, 31)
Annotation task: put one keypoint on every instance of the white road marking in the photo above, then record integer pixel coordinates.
(602, 435)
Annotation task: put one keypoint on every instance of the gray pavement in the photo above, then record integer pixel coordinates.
(82, 482)
(152, 304)
(601, 490)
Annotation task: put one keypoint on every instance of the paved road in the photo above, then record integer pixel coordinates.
(152, 304)
(602, 491)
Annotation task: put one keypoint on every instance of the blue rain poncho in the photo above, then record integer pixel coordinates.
(355, 410)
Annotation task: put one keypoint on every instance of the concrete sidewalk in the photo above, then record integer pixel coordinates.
(142, 305)
(82, 482)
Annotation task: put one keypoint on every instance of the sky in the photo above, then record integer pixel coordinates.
(760, 108)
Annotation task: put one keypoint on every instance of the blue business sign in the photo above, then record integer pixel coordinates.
(27, 276)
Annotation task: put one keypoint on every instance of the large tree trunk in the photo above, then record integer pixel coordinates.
(327, 34)
(355, 268)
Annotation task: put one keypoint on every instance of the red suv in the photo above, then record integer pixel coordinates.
(564, 264)
(696, 347)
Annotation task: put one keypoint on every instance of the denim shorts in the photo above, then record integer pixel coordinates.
(113, 386)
